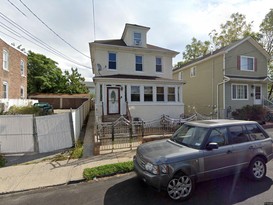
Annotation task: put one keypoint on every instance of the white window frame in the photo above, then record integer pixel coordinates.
(245, 68)
(22, 67)
(161, 71)
(237, 89)
(137, 40)
(112, 69)
(180, 75)
(5, 91)
(173, 94)
(5, 60)
(139, 63)
(134, 101)
(193, 72)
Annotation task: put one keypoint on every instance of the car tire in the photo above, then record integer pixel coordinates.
(180, 187)
(257, 169)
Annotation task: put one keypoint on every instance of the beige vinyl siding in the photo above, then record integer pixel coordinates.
(199, 92)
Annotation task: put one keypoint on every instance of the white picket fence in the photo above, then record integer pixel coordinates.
(26, 133)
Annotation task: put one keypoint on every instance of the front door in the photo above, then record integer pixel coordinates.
(257, 94)
(113, 100)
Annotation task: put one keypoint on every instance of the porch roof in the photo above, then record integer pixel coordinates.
(250, 79)
(136, 78)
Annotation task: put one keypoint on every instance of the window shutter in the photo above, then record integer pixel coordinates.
(255, 64)
(238, 62)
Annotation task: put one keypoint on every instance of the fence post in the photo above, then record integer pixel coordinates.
(142, 129)
(131, 134)
(113, 136)
(35, 135)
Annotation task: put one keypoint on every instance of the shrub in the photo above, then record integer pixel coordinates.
(108, 170)
(248, 112)
(2, 161)
(15, 110)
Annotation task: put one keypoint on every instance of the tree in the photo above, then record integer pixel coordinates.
(75, 82)
(234, 29)
(266, 31)
(193, 51)
(44, 76)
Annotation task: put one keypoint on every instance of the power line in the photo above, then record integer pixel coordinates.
(17, 8)
(52, 29)
(49, 48)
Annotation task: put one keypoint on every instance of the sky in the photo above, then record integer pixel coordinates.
(62, 29)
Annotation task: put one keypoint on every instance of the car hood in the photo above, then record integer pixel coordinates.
(166, 151)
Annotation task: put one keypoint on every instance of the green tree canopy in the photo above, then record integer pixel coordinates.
(75, 82)
(44, 76)
(234, 29)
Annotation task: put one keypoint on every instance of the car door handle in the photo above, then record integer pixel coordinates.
(229, 152)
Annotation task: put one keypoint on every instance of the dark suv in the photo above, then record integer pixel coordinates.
(204, 150)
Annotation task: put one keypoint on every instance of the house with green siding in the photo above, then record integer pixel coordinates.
(225, 80)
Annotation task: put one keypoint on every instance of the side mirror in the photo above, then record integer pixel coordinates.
(212, 145)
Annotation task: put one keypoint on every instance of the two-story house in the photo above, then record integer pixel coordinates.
(226, 79)
(134, 77)
(13, 72)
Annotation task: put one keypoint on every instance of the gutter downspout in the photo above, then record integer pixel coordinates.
(226, 79)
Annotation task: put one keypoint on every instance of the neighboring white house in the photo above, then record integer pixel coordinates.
(134, 77)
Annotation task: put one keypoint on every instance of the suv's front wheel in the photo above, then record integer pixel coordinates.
(257, 169)
(180, 187)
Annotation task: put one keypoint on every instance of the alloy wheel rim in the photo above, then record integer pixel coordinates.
(179, 188)
(258, 169)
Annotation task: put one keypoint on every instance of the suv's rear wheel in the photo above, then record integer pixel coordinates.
(180, 187)
(257, 169)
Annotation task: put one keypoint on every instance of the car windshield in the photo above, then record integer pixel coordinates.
(190, 136)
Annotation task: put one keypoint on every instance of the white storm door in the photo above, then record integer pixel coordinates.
(113, 101)
(257, 94)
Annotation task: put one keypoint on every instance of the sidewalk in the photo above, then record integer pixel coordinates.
(38, 174)
(47, 174)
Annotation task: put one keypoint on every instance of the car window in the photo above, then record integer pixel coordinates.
(218, 135)
(238, 134)
(255, 133)
(190, 136)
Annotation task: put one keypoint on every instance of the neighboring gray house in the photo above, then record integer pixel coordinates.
(225, 80)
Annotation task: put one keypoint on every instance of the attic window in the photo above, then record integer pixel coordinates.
(137, 38)
(193, 72)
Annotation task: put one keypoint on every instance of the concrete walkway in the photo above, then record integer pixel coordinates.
(46, 174)
(41, 173)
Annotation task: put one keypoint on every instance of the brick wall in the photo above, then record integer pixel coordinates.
(13, 75)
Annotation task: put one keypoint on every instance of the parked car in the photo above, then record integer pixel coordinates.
(204, 150)
(45, 107)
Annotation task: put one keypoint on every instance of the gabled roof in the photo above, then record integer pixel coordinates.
(225, 50)
(120, 42)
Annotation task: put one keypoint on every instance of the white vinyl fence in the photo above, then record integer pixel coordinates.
(26, 133)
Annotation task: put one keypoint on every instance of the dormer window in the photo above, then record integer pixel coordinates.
(137, 38)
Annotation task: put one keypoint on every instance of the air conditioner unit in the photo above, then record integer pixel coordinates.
(137, 42)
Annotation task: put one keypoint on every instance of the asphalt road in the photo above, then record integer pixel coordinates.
(127, 189)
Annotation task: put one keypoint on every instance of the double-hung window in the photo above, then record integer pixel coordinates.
(22, 67)
(112, 61)
(5, 60)
(148, 93)
(160, 94)
(158, 64)
(5, 93)
(239, 92)
(137, 38)
(22, 95)
(139, 63)
(247, 63)
(193, 72)
(171, 94)
(135, 93)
